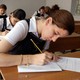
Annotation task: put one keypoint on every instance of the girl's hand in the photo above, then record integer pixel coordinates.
(44, 58)
(5, 32)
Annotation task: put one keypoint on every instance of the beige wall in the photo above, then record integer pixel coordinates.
(28, 5)
(64, 4)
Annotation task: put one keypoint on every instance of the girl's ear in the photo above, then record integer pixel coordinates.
(49, 20)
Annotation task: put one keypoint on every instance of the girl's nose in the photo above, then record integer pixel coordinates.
(55, 38)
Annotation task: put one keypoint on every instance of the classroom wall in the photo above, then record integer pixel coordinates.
(64, 4)
(30, 6)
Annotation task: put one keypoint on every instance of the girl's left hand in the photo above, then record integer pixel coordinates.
(5, 32)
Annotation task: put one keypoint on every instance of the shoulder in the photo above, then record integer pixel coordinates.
(22, 23)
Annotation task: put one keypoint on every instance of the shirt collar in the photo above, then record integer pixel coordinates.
(8, 22)
(32, 27)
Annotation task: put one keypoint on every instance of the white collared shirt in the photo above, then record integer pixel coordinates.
(20, 30)
(33, 27)
(9, 26)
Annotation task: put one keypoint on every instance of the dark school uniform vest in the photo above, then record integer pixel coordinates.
(26, 46)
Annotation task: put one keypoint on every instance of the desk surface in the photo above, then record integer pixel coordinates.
(11, 73)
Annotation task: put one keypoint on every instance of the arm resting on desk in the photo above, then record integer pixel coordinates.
(9, 60)
(4, 32)
(38, 59)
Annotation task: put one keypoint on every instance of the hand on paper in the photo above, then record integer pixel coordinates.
(5, 32)
(51, 56)
(44, 58)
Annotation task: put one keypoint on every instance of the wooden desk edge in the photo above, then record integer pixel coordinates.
(3, 72)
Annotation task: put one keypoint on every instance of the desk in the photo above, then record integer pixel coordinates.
(70, 42)
(10, 73)
(77, 27)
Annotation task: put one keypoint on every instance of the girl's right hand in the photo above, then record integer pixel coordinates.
(38, 59)
(44, 58)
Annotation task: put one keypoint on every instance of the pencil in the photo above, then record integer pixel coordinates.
(36, 45)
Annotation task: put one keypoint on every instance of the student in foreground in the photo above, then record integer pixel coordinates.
(16, 47)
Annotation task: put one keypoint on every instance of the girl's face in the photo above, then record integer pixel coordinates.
(52, 32)
(13, 20)
(2, 11)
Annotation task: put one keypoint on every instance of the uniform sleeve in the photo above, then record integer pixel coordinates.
(18, 33)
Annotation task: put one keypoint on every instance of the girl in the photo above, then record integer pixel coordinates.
(59, 23)
(3, 9)
(40, 12)
(10, 21)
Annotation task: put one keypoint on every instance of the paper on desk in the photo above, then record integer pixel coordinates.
(52, 66)
(68, 63)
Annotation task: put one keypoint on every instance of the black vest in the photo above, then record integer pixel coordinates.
(27, 47)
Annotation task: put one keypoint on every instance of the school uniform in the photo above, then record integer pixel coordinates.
(8, 24)
(38, 14)
(20, 37)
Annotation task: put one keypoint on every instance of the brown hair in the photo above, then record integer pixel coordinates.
(63, 19)
(3, 6)
(55, 7)
(19, 14)
(47, 9)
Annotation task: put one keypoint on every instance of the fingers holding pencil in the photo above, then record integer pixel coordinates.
(49, 56)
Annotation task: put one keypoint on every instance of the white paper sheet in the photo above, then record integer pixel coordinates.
(65, 63)
(52, 66)
(68, 63)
